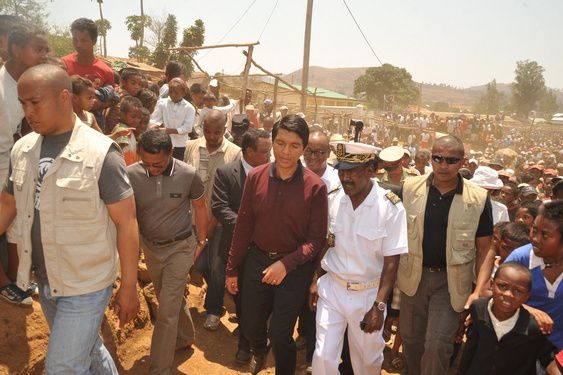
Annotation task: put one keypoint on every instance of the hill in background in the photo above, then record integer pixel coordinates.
(342, 80)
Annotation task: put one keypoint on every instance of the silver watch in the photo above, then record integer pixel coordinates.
(380, 305)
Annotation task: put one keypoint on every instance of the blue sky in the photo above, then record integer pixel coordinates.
(457, 42)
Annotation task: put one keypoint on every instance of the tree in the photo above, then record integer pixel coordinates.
(60, 41)
(161, 53)
(384, 81)
(32, 11)
(491, 100)
(136, 26)
(528, 86)
(103, 27)
(193, 36)
(548, 103)
(156, 28)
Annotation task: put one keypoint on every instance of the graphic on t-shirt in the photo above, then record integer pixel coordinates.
(44, 165)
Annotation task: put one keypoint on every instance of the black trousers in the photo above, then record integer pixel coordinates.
(243, 343)
(283, 302)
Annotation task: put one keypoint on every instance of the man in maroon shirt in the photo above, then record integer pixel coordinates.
(281, 225)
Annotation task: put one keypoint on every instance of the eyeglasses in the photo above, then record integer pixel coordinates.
(317, 153)
(449, 159)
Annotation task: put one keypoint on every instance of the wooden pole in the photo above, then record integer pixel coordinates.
(276, 84)
(306, 52)
(214, 46)
(245, 77)
(198, 66)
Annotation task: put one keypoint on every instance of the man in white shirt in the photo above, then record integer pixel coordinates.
(367, 234)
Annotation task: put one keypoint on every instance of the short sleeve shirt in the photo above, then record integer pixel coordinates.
(163, 202)
(99, 72)
(364, 236)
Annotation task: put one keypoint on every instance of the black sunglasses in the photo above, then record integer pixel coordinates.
(449, 159)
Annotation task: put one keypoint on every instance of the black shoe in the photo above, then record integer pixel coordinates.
(242, 357)
(257, 363)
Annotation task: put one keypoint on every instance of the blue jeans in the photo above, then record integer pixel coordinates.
(75, 346)
(212, 267)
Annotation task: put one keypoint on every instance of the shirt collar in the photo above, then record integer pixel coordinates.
(167, 172)
(458, 189)
(298, 172)
(247, 167)
(222, 148)
(536, 261)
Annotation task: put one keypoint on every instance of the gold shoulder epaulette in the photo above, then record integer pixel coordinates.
(394, 198)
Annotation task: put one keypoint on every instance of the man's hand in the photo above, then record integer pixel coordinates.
(126, 304)
(198, 250)
(274, 274)
(313, 294)
(472, 297)
(373, 320)
(232, 284)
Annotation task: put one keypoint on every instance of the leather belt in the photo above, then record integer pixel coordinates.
(435, 269)
(355, 285)
(273, 255)
(180, 237)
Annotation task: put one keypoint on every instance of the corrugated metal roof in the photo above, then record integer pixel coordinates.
(323, 93)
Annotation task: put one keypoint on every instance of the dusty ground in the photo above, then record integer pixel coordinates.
(24, 335)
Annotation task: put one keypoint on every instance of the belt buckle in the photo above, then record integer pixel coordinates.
(434, 269)
(352, 286)
(272, 255)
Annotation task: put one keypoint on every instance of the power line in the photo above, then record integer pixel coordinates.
(268, 20)
(232, 27)
(361, 32)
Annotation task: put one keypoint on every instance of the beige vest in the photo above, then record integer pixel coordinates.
(463, 221)
(78, 236)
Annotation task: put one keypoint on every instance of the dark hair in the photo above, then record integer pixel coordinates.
(517, 267)
(250, 138)
(501, 225)
(129, 103)
(154, 141)
(196, 88)
(7, 23)
(209, 96)
(128, 73)
(553, 211)
(293, 123)
(532, 207)
(526, 178)
(173, 69)
(146, 97)
(516, 232)
(513, 188)
(79, 84)
(85, 24)
(154, 88)
(21, 35)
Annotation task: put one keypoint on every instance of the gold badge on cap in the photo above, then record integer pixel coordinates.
(340, 150)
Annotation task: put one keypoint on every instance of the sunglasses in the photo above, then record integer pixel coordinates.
(448, 159)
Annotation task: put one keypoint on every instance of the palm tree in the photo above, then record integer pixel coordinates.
(104, 31)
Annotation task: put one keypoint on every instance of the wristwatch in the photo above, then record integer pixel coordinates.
(380, 305)
(202, 242)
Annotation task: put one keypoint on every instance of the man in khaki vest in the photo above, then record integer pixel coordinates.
(450, 224)
(75, 211)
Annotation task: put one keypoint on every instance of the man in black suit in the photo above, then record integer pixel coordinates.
(225, 202)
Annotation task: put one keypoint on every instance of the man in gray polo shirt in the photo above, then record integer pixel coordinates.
(164, 188)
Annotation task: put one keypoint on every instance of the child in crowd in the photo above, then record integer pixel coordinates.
(83, 96)
(130, 119)
(144, 124)
(148, 98)
(130, 84)
(513, 236)
(527, 213)
(173, 69)
(505, 338)
(175, 116)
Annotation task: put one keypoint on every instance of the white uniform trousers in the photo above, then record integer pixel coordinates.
(338, 308)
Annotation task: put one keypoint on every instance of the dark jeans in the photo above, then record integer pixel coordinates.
(283, 302)
(212, 267)
(178, 153)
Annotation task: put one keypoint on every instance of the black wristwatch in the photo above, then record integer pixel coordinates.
(381, 306)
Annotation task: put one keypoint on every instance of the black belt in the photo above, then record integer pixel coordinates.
(435, 269)
(273, 255)
(172, 240)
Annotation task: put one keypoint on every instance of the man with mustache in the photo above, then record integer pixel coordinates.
(367, 234)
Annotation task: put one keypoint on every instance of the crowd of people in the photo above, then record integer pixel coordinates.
(435, 239)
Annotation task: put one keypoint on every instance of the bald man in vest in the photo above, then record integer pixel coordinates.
(450, 225)
(73, 204)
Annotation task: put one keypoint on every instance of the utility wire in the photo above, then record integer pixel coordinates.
(360, 29)
(268, 20)
(231, 28)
